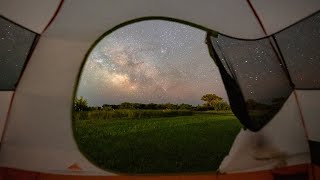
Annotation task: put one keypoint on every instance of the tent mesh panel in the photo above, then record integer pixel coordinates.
(15, 44)
(255, 67)
(300, 46)
(259, 75)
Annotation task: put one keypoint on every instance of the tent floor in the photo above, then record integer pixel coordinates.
(299, 172)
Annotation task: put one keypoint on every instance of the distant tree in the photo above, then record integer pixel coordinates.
(185, 106)
(202, 108)
(93, 108)
(115, 106)
(137, 105)
(214, 102)
(151, 106)
(210, 99)
(80, 104)
(126, 105)
(107, 107)
(221, 106)
(161, 106)
(171, 106)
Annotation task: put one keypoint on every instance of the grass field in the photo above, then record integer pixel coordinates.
(129, 114)
(195, 143)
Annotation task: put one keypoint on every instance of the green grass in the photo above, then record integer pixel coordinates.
(195, 143)
(129, 114)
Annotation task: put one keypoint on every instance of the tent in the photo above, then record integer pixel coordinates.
(54, 36)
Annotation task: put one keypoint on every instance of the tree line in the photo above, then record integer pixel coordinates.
(211, 102)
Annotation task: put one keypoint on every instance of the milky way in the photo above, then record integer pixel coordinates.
(150, 61)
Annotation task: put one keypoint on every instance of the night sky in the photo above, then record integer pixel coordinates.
(150, 62)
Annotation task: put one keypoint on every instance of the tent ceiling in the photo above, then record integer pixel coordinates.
(82, 20)
(32, 14)
(277, 15)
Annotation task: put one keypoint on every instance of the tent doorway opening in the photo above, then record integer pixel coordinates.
(150, 99)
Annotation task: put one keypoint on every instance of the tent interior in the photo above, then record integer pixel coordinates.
(44, 45)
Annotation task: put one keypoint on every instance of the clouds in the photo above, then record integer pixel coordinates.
(152, 61)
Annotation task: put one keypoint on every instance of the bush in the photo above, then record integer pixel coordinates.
(221, 106)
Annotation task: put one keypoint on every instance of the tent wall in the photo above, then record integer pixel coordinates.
(310, 102)
(39, 132)
(32, 14)
(273, 146)
(81, 20)
(277, 15)
(39, 129)
(5, 100)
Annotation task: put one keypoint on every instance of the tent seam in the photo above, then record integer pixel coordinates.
(53, 16)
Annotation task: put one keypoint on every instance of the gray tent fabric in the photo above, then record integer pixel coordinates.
(50, 77)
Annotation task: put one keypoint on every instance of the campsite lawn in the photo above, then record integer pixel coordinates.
(195, 143)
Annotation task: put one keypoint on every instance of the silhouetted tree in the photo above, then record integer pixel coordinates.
(214, 102)
(126, 105)
(221, 106)
(210, 99)
(80, 104)
(185, 106)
